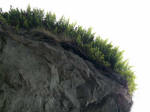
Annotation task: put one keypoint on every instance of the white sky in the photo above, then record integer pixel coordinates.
(124, 22)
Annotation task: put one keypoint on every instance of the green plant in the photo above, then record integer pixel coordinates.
(2, 20)
(98, 50)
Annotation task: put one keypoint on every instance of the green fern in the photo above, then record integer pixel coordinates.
(96, 49)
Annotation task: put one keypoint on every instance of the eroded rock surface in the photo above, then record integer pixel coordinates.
(39, 75)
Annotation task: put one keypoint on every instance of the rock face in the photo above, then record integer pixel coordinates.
(37, 74)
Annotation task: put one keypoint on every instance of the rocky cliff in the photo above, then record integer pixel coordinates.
(41, 74)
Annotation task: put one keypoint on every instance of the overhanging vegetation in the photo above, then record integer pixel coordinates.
(98, 50)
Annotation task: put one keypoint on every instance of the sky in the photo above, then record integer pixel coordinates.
(126, 23)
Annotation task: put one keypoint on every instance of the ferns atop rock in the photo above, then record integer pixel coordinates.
(95, 48)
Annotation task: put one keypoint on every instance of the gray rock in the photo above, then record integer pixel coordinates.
(42, 76)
